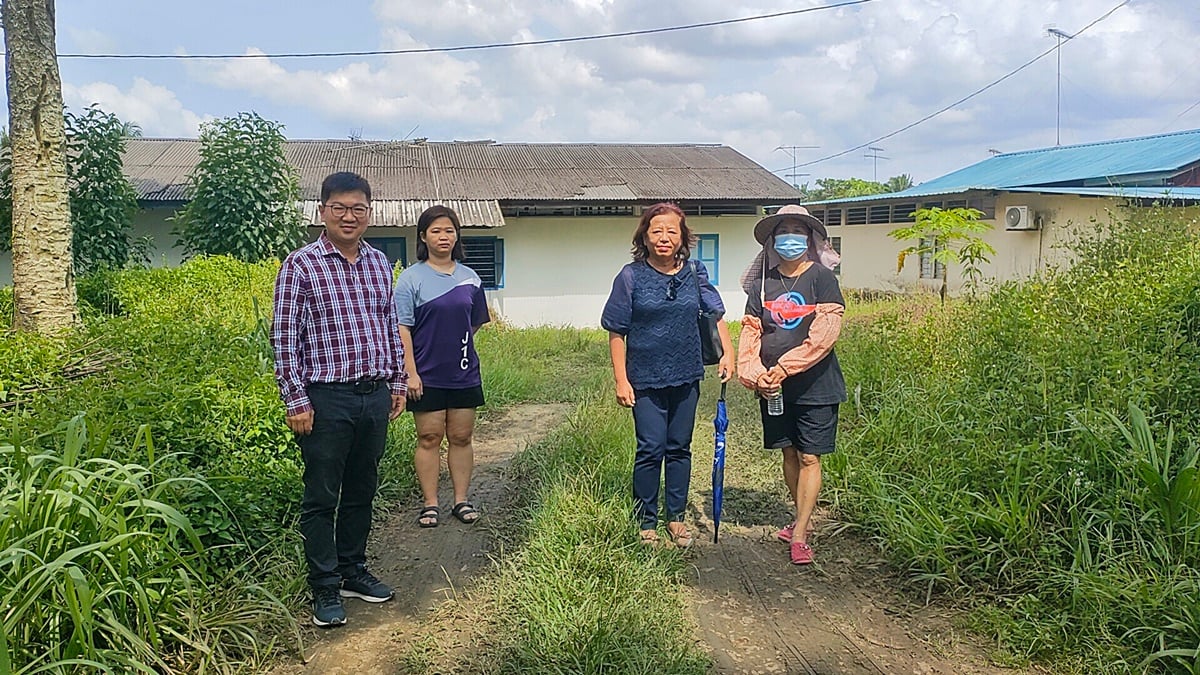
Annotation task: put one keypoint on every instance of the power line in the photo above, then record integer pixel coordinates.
(1188, 110)
(464, 48)
(964, 99)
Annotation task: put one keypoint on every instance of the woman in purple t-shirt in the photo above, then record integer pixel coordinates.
(440, 304)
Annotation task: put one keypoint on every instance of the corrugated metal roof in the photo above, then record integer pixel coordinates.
(904, 194)
(404, 212)
(1122, 164)
(1164, 193)
(1108, 162)
(1170, 193)
(483, 170)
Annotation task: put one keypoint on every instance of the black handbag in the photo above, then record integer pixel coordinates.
(711, 349)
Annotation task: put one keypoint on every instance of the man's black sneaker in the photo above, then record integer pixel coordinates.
(365, 586)
(327, 607)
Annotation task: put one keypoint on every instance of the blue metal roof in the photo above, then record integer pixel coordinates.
(1166, 193)
(1146, 160)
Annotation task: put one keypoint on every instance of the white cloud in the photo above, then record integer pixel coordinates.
(152, 107)
(393, 93)
(834, 79)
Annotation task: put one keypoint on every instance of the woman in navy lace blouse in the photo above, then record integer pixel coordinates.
(655, 345)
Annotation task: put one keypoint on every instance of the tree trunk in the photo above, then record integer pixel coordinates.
(43, 273)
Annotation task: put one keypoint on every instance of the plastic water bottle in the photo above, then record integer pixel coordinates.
(775, 404)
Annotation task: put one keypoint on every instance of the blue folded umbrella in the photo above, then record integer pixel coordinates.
(720, 426)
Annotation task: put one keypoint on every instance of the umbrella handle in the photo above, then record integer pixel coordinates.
(723, 387)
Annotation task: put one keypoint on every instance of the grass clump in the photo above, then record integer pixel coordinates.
(101, 570)
(581, 595)
(999, 446)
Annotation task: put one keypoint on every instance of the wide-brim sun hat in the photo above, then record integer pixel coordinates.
(764, 227)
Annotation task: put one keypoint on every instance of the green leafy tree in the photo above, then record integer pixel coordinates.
(838, 188)
(898, 183)
(951, 236)
(243, 192)
(103, 200)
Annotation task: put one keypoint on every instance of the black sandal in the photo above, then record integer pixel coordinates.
(429, 516)
(465, 513)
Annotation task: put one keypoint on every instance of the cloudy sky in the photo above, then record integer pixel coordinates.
(833, 78)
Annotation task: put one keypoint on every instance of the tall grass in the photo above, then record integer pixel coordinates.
(175, 354)
(1000, 446)
(101, 570)
(581, 595)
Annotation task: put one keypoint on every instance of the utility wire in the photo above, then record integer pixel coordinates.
(464, 48)
(964, 99)
(1189, 109)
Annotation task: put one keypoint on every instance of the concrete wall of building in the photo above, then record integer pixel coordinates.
(869, 254)
(559, 270)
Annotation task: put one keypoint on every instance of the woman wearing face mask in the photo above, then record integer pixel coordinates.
(793, 318)
(655, 347)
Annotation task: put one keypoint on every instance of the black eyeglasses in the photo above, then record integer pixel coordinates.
(338, 210)
(673, 285)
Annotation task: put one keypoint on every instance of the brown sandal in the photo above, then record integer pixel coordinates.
(681, 536)
(650, 538)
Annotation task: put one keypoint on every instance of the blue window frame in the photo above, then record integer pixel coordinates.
(708, 251)
(485, 255)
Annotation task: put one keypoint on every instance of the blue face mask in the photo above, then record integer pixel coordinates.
(791, 246)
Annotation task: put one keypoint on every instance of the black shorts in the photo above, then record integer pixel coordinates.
(811, 429)
(436, 398)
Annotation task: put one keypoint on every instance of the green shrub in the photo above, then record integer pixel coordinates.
(984, 451)
(6, 307)
(206, 289)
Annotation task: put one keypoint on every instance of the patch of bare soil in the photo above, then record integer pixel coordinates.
(427, 566)
(845, 614)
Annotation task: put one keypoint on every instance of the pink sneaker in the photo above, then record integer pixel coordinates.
(802, 554)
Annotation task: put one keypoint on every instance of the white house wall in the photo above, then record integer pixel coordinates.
(869, 254)
(559, 271)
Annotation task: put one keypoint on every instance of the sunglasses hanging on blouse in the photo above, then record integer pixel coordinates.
(673, 285)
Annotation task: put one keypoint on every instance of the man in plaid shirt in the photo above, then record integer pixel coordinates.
(340, 368)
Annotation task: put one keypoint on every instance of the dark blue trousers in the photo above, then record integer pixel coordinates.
(341, 472)
(663, 421)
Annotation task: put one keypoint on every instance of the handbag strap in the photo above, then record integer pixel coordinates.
(699, 297)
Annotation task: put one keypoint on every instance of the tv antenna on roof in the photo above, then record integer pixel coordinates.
(1061, 35)
(791, 150)
(874, 155)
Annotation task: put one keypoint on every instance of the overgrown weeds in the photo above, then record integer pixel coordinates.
(1000, 446)
(101, 569)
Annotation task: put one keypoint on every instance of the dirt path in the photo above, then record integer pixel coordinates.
(757, 613)
(428, 566)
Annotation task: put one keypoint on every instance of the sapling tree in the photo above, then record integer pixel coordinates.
(243, 193)
(949, 236)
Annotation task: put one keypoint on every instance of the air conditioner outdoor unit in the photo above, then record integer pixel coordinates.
(1019, 218)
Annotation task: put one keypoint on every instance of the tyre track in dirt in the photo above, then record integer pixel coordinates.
(428, 566)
